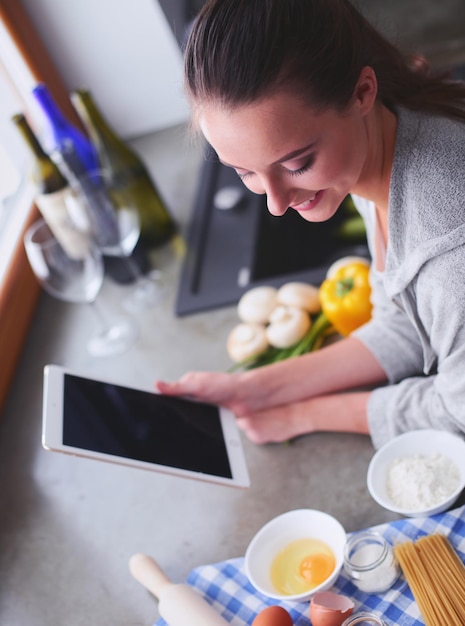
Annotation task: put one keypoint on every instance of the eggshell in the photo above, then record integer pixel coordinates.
(330, 609)
(273, 616)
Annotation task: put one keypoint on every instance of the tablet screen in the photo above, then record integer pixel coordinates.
(144, 426)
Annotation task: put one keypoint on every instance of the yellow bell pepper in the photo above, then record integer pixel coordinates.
(345, 298)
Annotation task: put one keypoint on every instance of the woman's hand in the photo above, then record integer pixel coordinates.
(293, 397)
(336, 412)
(261, 423)
(228, 390)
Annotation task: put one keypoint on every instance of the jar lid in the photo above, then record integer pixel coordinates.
(364, 618)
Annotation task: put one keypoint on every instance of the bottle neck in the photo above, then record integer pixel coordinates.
(44, 173)
(48, 105)
(91, 116)
(29, 137)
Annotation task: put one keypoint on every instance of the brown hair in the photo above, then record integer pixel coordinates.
(239, 51)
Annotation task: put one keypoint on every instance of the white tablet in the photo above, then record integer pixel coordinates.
(141, 428)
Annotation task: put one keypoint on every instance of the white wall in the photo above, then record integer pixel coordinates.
(123, 51)
(11, 102)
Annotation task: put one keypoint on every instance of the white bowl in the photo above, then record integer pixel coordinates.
(278, 533)
(426, 442)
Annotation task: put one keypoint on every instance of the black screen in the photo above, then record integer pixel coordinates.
(115, 420)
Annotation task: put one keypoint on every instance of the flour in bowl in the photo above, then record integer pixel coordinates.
(420, 482)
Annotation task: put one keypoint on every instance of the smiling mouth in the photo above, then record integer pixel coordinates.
(309, 203)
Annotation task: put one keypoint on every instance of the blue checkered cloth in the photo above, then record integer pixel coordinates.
(226, 587)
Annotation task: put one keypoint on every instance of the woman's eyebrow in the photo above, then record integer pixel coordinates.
(294, 153)
(283, 159)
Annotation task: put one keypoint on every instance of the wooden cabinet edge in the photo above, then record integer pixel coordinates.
(20, 290)
(19, 294)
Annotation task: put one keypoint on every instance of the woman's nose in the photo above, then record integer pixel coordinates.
(276, 193)
(277, 199)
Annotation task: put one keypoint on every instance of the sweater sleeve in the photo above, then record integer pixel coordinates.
(416, 399)
(389, 335)
(421, 346)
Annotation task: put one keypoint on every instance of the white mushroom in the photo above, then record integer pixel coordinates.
(346, 260)
(287, 326)
(301, 296)
(246, 341)
(255, 305)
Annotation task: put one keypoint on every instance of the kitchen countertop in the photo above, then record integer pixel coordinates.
(68, 525)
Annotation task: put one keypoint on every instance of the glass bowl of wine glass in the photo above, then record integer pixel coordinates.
(114, 222)
(76, 276)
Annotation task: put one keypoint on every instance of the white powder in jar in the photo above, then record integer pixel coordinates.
(375, 568)
(420, 482)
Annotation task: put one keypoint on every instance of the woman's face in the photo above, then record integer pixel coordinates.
(301, 159)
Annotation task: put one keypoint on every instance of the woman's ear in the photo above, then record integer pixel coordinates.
(366, 90)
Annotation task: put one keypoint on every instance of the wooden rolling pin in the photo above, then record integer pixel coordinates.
(178, 604)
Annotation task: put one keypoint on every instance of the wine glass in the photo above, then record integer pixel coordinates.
(76, 278)
(115, 224)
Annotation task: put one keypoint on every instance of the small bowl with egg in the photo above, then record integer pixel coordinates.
(296, 554)
(419, 473)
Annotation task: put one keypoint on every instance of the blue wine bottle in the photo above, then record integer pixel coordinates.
(59, 131)
(102, 217)
(101, 212)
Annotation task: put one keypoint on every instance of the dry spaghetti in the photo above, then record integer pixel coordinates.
(436, 577)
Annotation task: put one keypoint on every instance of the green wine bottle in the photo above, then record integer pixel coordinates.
(54, 198)
(126, 171)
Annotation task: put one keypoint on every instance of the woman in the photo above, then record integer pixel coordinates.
(307, 102)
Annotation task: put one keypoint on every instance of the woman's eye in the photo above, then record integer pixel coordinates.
(305, 167)
(243, 175)
(301, 170)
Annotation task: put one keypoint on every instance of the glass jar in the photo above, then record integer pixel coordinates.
(370, 563)
(364, 618)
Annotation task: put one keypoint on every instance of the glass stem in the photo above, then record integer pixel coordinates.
(143, 283)
(137, 274)
(103, 322)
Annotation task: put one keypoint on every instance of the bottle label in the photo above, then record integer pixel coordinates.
(55, 211)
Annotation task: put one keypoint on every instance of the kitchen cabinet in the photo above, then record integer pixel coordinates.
(124, 52)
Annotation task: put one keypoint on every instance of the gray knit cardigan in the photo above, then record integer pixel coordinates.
(417, 332)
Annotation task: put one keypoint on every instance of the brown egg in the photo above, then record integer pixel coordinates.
(329, 609)
(273, 616)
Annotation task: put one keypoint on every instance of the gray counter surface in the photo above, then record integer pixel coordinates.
(69, 525)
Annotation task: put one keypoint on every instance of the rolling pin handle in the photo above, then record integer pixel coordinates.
(147, 571)
(178, 604)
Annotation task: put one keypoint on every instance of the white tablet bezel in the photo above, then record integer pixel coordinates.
(52, 434)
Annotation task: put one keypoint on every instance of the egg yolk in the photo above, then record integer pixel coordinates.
(301, 566)
(316, 568)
